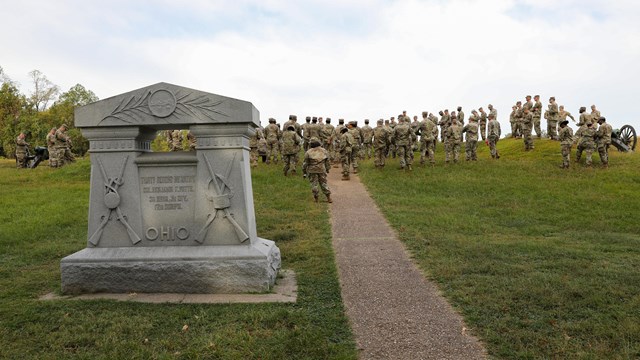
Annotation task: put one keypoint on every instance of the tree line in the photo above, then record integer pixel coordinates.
(39, 111)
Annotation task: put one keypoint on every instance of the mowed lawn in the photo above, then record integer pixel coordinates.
(43, 217)
(543, 263)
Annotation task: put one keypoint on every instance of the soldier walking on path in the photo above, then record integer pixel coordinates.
(290, 148)
(493, 136)
(346, 148)
(367, 138)
(603, 136)
(316, 166)
(566, 140)
(355, 145)
(21, 151)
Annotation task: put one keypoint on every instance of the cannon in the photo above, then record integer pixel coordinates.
(40, 153)
(624, 139)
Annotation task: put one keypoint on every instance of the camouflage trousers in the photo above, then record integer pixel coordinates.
(513, 129)
(367, 150)
(53, 160)
(483, 130)
(290, 162)
(253, 155)
(319, 180)
(21, 160)
(328, 146)
(391, 151)
(345, 160)
(427, 150)
(452, 151)
(565, 149)
(273, 149)
(526, 136)
(603, 151)
(552, 127)
(404, 153)
(380, 156)
(588, 148)
(353, 160)
(536, 125)
(471, 150)
(518, 132)
(493, 141)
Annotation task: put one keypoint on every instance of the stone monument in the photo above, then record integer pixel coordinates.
(178, 222)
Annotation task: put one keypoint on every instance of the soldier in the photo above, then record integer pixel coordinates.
(595, 114)
(314, 129)
(21, 151)
(316, 166)
(253, 146)
(587, 142)
(290, 148)
(471, 141)
(584, 117)
(176, 140)
(603, 136)
(293, 121)
(563, 114)
(454, 138)
(273, 135)
(336, 142)
(493, 136)
(519, 119)
(527, 123)
(191, 140)
(460, 116)
(355, 145)
(263, 147)
(493, 111)
(402, 138)
(328, 135)
(537, 113)
(552, 119)
(565, 136)
(346, 143)
(512, 120)
(392, 146)
(415, 131)
(427, 139)
(380, 142)
(483, 123)
(305, 133)
(62, 145)
(51, 143)
(367, 135)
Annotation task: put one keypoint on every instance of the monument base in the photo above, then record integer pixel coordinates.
(227, 269)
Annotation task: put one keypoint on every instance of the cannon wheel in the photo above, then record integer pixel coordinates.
(628, 136)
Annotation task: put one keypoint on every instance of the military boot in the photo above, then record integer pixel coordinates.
(345, 177)
(329, 199)
(315, 197)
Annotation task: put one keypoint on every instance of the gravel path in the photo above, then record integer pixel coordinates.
(394, 311)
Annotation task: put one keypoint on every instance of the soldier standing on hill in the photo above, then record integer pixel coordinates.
(253, 146)
(427, 139)
(21, 151)
(402, 138)
(63, 144)
(454, 138)
(553, 116)
(527, 122)
(483, 123)
(367, 138)
(471, 141)
(493, 136)
(595, 113)
(566, 140)
(290, 148)
(537, 113)
(519, 116)
(51, 143)
(316, 165)
(272, 134)
(305, 133)
(380, 142)
(604, 140)
(587, 142)
(460, 116)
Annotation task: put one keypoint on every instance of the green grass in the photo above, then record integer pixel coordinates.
(44, 218)
(543, 263)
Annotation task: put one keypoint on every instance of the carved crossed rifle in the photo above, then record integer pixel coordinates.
(221, 202)
(112, 202)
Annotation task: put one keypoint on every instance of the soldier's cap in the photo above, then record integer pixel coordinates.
(314, 143)
(425, 113)
(328, 120)
(602, 118)
(344, 130)
(366, 121)
(315, 119)
(380, 122)
(291, 127)
(583, 109)
(308, 118)
(290, 117)
(341, 121)
(552, 98)
(564, 122)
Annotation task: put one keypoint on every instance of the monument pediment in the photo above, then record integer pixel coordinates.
(164, 106)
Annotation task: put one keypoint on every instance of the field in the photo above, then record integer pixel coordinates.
(43, 219)
(542, 262)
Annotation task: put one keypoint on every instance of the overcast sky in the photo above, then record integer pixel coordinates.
(353, 59)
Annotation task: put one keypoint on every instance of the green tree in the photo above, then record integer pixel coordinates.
(12, 107)
(62, 112)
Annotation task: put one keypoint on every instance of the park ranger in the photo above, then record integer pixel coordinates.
(316, 166)
(603, 136)
(565, 135)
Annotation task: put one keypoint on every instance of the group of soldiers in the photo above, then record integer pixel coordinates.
(58, 145)
(175, 138)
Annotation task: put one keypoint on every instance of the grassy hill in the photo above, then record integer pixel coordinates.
(542, 262)
(43, 218)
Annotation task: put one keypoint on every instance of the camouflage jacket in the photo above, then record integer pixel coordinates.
(314, 130)
(454, 134)
(565, 136)
(61, 139)
(494, 128)
(346, 142)
(290, 142)
(367, 134)
(402, 134)
(380, 137)
(426, 129)
(471, 129)
(272, 133)
(316, 161)
(604, 134)
(553, 112)
(537, 109)
(327, 133)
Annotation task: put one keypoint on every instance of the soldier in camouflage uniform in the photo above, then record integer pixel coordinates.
(493, 111)
(471, 141)
(392, 145)
(493, 135)
(191, 140)
(483, 123)
(314, 129)
(519, 119)
(21, 151)
(367, 139)
(460, 116)
(272, 134)
(355, 145)
(552, 119)
(603, 136)
(293, 121)
(380, 141)
(336, 142)
(566, 140)
(62, 146)
(527, 123)
(537, 113)
(454, 138)
(328, 135)
(253, 146)
(290, 148)
(595, 114)
(316, 166)
(346, 143)
(428, 133)
(402, 138)
(176, 140)
(587, 142)
(512, 120)
(51, 143)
